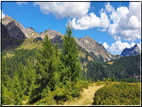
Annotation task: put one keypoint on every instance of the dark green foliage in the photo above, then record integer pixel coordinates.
(49, 77)
(6, 80)
(95, 71)
(17, 88)
(125, 67)
(19, 56)
(44, 69)
(70, 56)
(118, 94)
(7, 95)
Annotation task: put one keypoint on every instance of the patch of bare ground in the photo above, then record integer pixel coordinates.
(86, 97)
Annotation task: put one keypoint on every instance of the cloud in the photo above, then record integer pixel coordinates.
(126, 22)
(20, 3)
(64, 9)
(105, 45)
(109, 8)
(90, 21)
(3, 15)
(118, 46)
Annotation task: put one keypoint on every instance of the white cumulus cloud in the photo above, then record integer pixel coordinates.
(2, 14)
(126, 21)
(90, 21)
(109, 8)
(105, 45)
(64, 9)
(118, 46)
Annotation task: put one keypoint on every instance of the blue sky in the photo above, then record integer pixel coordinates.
(114, 24)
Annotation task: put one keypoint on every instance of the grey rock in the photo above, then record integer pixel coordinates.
(31, 33)
(15, 29)
(51, 33)
(94, 47)
(131, 51)
(7, 19)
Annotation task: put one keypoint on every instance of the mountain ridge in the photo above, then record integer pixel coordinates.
(131, 51)
(17, 31)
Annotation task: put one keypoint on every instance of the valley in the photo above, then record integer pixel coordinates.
(55, 69)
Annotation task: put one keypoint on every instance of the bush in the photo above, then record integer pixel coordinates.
(118, 94)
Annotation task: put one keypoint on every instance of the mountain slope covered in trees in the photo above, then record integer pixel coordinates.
(52, 71)
(48, 74)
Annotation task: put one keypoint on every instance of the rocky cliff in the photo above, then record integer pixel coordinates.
(15, 29)
(131, 51)
(95, 48)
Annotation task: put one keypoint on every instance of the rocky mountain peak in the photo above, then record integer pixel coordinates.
(31, 33)
(131, 51)
(15, 29)
(49, 29)
(135, 46)
(95, 48)
(51, 33)
(30, 30)
(7, 19)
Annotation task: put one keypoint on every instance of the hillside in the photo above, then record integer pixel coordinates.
(16, 33)
(125, 67)
(41, 71)
(96, 49)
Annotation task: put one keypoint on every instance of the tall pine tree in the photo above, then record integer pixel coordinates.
(47, 69)
(17, 88)
(70, 56)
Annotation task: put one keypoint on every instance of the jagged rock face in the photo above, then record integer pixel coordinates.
(30, 30)
(6, 20)
(4, 32)
(94, 47)
(51, 33)
(15, 29)
(6, 39)
(53, 36)
(131, 51)
(31, 33)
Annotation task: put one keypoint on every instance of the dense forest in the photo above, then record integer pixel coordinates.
(118, 94)
(124, 69)
(48, 75)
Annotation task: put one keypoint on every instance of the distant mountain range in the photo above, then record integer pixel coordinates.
(15, 36)
(13, 31)
(131, 51)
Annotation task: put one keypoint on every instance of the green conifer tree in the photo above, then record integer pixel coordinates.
(6, 83)
(70, 56)
(30, 76)
(47, 71)
(17, 89)
(22, 78)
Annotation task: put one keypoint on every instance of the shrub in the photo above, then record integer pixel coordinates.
(118, 94)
